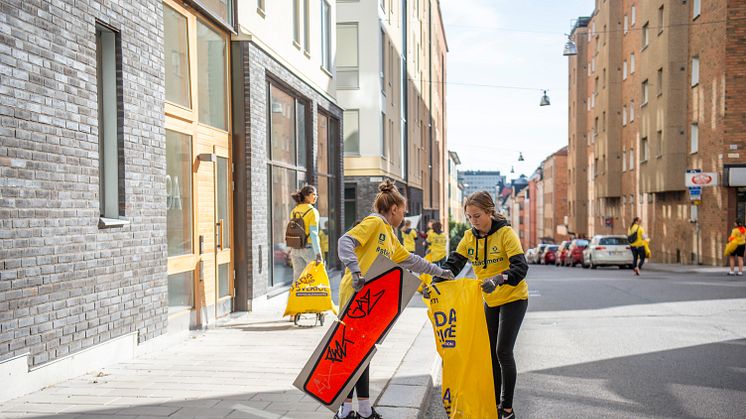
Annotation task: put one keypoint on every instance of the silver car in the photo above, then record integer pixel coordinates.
(607, 251)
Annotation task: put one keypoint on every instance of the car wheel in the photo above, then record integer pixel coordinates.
(592, 265)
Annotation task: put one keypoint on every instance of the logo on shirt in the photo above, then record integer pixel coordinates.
(381, 237)
(494, 249)
(471, 252)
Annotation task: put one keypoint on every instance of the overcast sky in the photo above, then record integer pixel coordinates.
(507, 43)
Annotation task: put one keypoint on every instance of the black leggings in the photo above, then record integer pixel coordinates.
(362, 386)
(638, 253)
(503, 324)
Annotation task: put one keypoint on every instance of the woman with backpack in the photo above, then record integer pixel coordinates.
(358, 249)
(497, 257)
(636, 238)
(302, 233)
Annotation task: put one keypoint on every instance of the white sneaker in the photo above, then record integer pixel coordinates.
(731, 273)
(739, 273)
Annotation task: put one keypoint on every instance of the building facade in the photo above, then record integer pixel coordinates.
(554, 188)
(481, 180)
(394, 104)
(455, 190)
(669, 71)
(578, 140)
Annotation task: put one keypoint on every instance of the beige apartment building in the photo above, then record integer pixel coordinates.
(664, 97)
(394, 101)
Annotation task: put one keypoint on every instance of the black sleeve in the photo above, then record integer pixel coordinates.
(455, 263)
(518, 269)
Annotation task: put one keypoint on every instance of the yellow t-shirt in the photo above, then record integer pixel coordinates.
(310, 219)
(410, 240)
(738, 237)
(640, 242)
(375, 237)
(437, 246)
(501, 246)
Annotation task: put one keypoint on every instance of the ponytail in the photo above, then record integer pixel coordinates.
(300, 195)
(388, 196)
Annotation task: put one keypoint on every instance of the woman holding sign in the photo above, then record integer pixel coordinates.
(496, 255)
(358, 249)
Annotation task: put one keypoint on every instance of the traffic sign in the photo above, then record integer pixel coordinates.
(700, 179)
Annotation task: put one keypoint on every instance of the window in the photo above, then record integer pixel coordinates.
(659, 143)
(176, 46)
(327, 137)
(382, 62)
(695, 71)
(326, 42)
(212, 78)
(604, 35)
(645, 35)
(222, 9)
(644, 93)
(624, 115)
(296, 22)
(178, 193)
(384, 145)
(603, 121)
(110, 140)
(603, 78)
(633, 17)
(347, 56)
(631, 159)
(350, 205)
(694, 138)
(696, 9)
(307, 27)
(624, 160)
(624, 70)
(352, 131)
(631, 111)
(626, 24)
(660, 20)
(659, 84)
(644, 151)
(632, 63)
(260, 7)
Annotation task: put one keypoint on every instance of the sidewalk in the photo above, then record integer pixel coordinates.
(241, 369)
(679, 268)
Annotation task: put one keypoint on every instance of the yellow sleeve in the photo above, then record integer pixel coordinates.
(363, 231)
(511, 243)
(461, 249)
(400, 254)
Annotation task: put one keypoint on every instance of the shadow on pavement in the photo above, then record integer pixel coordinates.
(703, 381)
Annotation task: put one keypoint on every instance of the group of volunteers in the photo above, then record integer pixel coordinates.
(491, 246)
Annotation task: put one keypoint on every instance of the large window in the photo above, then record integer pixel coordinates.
(176, 43)
(111, 163)
(326, 34)
(328, 138)
(694, 138)
(350, 203)
(212, 83)
(696, 9)
(179, 193)
(287, 147)
(695, 71)
(347, 56)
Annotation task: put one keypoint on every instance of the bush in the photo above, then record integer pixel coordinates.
(456, 233)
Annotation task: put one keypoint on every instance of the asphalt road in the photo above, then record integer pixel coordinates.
(606, 344)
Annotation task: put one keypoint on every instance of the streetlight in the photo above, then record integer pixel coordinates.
(570, 47)
(520, 156)
(544, 100)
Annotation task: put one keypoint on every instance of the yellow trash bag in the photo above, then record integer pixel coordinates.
(311, 293)
(730, 247)
(647, 248)
(456, 312)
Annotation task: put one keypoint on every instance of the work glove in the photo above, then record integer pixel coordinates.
(318, 258)
(490, 284)
(443, 275)
(358, 281)
(426, 291)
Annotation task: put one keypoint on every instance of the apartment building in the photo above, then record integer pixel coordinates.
(664, 98)
(394, 101)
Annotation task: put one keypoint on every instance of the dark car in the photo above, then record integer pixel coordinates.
(550, 255)
(575, 253)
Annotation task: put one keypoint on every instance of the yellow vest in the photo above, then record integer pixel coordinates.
(410, 240)
(494, 259)
(437, 246)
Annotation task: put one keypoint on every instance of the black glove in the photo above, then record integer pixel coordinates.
(443, 275)
(358, 281)
(490, 284)
(426, 291)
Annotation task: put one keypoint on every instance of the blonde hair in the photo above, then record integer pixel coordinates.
(388, 196)
(483, 200)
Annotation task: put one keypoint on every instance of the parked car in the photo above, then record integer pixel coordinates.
(575, 253)
(562, 253)
(539, 252)
(550, 254)
(531, 255)
(607, 251)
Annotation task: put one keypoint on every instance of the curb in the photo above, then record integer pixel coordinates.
(407, 394)
(685, 269)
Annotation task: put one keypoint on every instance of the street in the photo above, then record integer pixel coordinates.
(605, 344)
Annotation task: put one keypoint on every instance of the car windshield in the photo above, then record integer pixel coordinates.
(613, 241)
(581, 243)
(552, 247)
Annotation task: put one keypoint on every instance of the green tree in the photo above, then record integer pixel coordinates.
(456, 232)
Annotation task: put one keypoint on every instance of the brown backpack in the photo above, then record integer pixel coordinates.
(295, 232)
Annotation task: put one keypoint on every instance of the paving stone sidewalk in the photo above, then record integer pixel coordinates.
(242, 369)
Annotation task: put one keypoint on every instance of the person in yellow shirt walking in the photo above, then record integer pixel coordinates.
(738, 236)
(305, 198)
(496, 255)
(437, 244)
(636, 238)
(358, 249)
(409, 235)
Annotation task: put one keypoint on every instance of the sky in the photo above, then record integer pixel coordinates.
(507, 43)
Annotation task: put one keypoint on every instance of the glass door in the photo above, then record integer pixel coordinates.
(223, 237)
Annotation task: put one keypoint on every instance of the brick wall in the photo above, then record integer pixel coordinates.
(65, 284)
